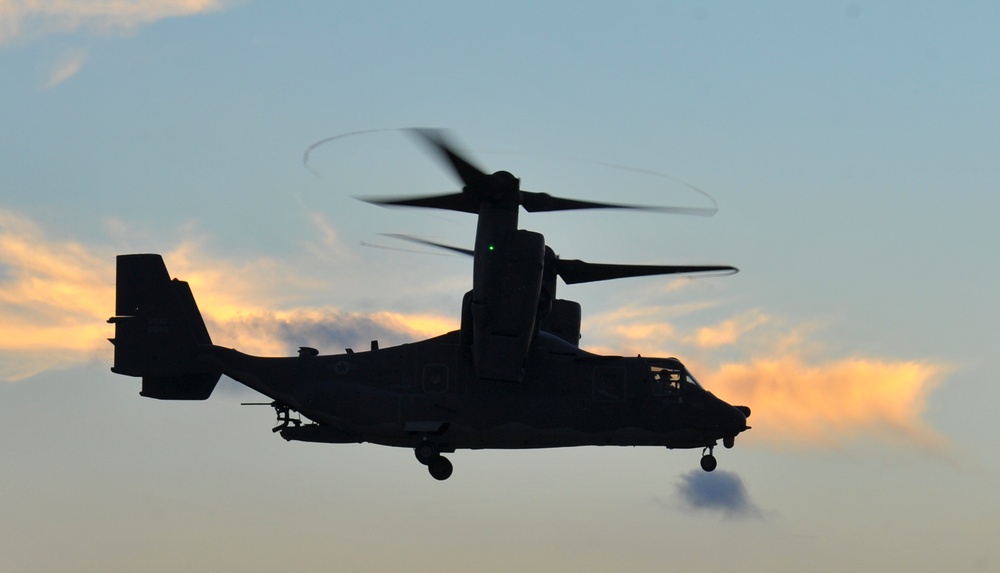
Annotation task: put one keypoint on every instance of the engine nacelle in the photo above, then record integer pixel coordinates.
(504, 305)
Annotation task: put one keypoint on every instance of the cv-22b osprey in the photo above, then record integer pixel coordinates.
(513, 376)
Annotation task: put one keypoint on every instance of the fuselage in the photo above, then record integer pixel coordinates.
(428, 390)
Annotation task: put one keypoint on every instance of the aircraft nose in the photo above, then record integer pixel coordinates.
(737, 418)
(729, 420)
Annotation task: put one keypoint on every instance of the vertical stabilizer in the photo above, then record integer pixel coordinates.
(159, 331)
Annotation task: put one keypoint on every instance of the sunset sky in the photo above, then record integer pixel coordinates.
(852, 151)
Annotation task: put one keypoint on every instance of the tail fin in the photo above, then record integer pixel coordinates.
(158, 331)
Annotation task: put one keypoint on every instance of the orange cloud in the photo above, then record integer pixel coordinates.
(832, 402)
(631, 330)
(728, 332)
(55, 298)
(331, 331)
(799, 394)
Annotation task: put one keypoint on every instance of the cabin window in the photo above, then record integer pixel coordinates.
(609, 384)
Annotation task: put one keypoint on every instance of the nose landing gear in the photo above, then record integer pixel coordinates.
(708, 461)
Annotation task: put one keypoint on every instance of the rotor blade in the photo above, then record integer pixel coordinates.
(418, 240)
(541, 202)
(453, 202)
(574, 271)
(401, 250)
(471, 175)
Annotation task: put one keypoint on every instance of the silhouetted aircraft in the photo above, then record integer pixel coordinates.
(513, 376)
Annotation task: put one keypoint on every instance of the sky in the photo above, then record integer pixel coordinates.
(850, 148)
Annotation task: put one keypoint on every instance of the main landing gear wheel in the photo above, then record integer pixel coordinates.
(708, 461)
(429, 454)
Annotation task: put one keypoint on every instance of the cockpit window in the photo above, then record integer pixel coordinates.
(691, 380)
(671, 379)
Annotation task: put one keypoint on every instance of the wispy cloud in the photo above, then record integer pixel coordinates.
(729, 331)
(28, 19)
(65, 69)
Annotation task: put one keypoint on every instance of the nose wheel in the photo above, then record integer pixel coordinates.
(708, 461)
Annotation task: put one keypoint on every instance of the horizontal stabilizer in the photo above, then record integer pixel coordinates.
(187, 387)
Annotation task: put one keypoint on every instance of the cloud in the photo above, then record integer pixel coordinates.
(635, 329)
(65, 69)
(53, 298)
(329, 330)
(834, 401)
(56, 296)
(799, 393)
(256, 306)
(20, 19)
(330, 245)
(719, 491)
(729, 331)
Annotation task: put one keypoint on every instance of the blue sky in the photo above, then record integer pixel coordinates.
(850, 146)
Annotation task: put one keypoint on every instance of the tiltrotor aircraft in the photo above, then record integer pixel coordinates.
(513, 376)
